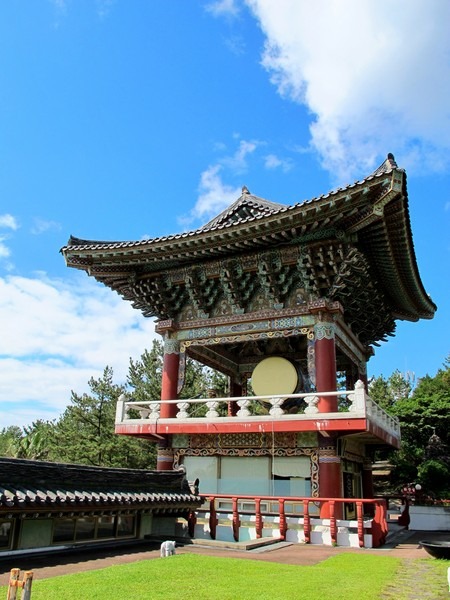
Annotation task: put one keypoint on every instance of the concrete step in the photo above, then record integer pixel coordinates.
(244, 546)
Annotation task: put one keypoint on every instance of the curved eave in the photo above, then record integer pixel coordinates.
(389, 245)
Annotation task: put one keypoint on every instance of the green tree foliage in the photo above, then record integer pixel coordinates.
(423, 412)
(31, 442)
(425, 422)
(388, 392)
(144, 374)
(85, 432)
(9, 440)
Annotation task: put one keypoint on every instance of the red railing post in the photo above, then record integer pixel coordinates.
(258, 518)
(333, 527)
(306, 522)
(283, 522)
(379, 524)
(236, 522)
(212, 517)
(360, 519)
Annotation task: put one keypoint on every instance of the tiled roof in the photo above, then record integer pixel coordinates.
(244, 210)
(353, 245)
(247, 206)
(33, 485)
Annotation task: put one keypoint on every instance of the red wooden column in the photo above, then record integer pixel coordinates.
(169, 385)
(325, 362)
(330, 484)
(330, 478)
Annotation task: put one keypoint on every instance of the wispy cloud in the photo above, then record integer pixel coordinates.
(43, 225)
(104, 7)
(272, 161)
(9, 222)
(373, 79)
(5, 252)
(220, 8)
(238, 161)
(214, 195)
(55, 336)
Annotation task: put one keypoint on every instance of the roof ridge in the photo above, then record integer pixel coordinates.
(246, 203)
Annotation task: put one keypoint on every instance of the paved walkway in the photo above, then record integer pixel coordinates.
(405, 546)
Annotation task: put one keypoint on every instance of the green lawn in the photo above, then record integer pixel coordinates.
(198, 577)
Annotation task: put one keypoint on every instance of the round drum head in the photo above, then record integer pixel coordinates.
(274, 375)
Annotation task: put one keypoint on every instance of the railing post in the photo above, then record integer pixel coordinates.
(333, 527)
(379, 524)
(306, 522)
(27, 581)
(283, 522)
(358, 398)
(236, 521)
(258, 518)
(212, 517)
(15, 583)
(120, 409)
(360, 519)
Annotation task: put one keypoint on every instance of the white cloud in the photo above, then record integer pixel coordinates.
(272, 161)
(4, 250)
(220, 8)
(238, 161)
(374, 75)
(7, 221)
(57, 335)
(43, 225)
(214, 195)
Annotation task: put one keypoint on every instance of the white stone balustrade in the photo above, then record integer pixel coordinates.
(361, 406)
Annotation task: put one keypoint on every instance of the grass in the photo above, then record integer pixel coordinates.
(199, 577)
(424, 579)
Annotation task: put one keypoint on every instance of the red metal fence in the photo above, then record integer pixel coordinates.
(333, 507)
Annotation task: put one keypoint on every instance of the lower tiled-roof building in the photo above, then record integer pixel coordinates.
(51, 505)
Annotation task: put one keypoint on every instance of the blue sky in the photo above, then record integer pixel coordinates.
(120, 120)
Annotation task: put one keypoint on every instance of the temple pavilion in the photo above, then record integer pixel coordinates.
(288, 302)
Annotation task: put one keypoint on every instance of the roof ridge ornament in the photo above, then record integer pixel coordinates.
(245, 190)
(387, 165)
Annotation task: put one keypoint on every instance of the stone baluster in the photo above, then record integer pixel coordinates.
(243, 408)
(276, 410)
(311, 402)
(212, 409)
(154, 410)
(183, 410)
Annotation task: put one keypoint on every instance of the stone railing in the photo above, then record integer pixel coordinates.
(354, 403)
